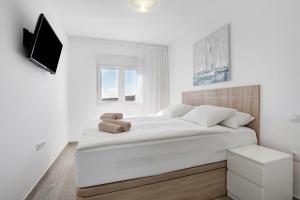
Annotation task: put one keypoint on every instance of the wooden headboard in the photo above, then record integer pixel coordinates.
(244, 99)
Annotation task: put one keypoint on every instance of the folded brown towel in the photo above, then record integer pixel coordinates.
(110, 128)
(111, 116)
(125, 125)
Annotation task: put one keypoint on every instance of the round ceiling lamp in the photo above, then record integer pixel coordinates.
(142, 5)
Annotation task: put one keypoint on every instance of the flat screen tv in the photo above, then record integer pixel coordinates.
(43, 46)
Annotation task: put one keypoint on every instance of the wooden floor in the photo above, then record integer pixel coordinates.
(59, 182)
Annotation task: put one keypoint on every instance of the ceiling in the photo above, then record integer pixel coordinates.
(114, 19)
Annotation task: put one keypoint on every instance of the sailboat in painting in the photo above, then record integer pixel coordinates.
(211, 64)
(207, 68)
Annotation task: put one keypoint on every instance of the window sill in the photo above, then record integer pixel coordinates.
(121, 103)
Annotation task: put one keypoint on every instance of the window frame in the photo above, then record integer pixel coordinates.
(121, 82)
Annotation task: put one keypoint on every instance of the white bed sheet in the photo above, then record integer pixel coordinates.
(145, 129)
(95, 165)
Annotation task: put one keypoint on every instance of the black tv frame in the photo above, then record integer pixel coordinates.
(29, 41)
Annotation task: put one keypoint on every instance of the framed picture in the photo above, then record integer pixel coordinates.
(211, 62)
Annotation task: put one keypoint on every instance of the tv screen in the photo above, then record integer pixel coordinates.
(46, 46)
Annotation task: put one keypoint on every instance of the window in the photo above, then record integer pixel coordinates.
(131, 76)
(118, 83)
(110, 84)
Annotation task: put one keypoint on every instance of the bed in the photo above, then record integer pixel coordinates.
(167, 164)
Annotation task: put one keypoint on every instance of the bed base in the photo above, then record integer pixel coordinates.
(203, 182)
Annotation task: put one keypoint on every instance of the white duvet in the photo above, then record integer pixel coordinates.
(144, 129)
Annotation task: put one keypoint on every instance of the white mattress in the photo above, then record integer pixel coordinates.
(105, 158)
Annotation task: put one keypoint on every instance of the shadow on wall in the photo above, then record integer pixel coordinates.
(20, 20)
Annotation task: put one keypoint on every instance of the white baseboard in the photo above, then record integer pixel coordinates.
(38, 182)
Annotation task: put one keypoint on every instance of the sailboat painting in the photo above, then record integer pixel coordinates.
(212, 59)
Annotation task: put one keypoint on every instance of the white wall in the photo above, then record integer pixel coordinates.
(33, 103)
(265, 49)
(84, 57)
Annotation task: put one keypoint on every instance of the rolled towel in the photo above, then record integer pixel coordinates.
(125, 125)
(110, 128)
(111, 116)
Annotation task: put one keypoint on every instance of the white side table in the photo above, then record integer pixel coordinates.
(259, 173)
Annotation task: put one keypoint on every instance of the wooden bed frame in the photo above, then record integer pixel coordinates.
(203, 182)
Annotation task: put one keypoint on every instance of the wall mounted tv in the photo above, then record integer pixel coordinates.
(43, 47)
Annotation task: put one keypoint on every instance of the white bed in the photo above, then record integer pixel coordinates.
(154, 146)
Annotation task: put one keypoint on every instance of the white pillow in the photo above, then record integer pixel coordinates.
(176, 110)
(237, 120)
(207, 115)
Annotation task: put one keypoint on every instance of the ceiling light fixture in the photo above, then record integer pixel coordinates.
(142, 5)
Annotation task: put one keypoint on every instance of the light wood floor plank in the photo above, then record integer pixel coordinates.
(59, 181)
